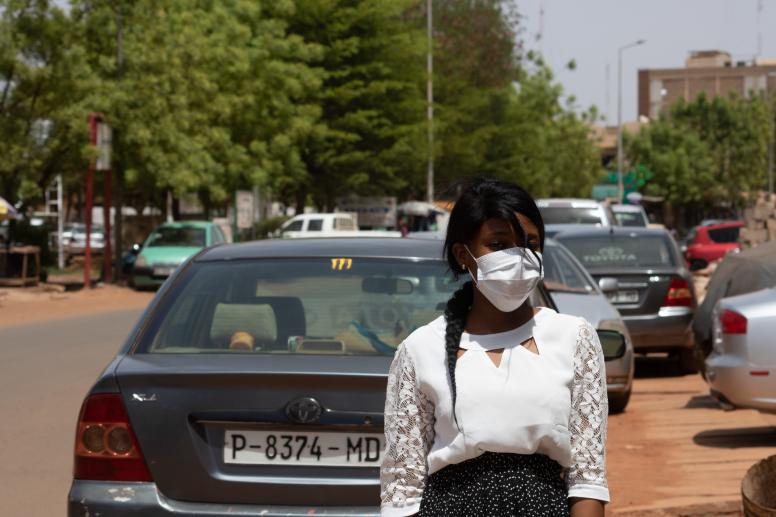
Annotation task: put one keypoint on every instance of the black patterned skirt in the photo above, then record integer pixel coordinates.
(497, 485)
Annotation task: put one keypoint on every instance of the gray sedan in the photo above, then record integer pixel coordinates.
(575, 292)
(644, 275)
(254, 383)
(742, 364)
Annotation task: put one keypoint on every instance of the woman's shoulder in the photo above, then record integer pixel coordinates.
(549, 320)
(425, 339)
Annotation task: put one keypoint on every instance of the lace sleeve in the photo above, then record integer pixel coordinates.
(586, 477)
(409, 433)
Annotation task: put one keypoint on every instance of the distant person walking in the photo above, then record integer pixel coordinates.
(497, 408)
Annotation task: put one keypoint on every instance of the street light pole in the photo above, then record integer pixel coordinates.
(620, 186)
(430, 99)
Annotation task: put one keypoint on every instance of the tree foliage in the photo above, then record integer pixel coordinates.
(706, 151)
(309, 99)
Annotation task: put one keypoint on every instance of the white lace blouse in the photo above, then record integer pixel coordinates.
(552, 403)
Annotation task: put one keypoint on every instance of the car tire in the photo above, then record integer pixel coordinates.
(618, 401)
(688, 361)
(698, 264)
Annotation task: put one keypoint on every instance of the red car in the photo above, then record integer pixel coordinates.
(712, 241)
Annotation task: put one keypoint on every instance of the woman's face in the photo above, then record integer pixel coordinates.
(495, 235)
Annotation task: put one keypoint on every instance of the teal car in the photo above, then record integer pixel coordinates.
(169, 245)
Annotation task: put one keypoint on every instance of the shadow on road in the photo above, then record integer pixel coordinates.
(657, 366)
(764, 436)
(702, 402)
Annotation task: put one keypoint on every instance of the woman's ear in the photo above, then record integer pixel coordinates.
(463, 258)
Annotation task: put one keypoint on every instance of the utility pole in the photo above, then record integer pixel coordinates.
(430, 99)
(620, 186)
(118, 155)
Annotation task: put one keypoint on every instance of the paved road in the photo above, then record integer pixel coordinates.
(45, 371)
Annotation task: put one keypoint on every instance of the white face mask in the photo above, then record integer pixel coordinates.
(507, 277)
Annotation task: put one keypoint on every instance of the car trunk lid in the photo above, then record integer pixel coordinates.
(190, 410)
(638, 292)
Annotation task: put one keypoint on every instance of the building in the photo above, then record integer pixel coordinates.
(710, 71)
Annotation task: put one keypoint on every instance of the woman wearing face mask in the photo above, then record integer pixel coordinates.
(497, 408)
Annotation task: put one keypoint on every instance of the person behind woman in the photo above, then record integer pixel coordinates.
(496, 408)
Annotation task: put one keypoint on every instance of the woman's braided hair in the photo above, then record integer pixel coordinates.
(481, 199)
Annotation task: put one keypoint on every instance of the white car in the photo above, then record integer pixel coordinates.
(337, 224)
(564, 214)
(631, 215)
(741, 368)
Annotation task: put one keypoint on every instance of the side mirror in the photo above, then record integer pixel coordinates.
(608, 285)
(612, 343)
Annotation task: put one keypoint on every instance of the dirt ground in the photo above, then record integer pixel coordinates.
(673, 452)
(47, 302)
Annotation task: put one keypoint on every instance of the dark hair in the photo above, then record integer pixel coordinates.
(481, 199)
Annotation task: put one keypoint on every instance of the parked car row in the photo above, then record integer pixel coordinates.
(734, 329)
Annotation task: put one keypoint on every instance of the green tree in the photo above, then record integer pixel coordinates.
(370, 135)
(43, 77)
(706, 152)
(210, 94)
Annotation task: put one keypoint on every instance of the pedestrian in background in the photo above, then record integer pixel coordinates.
(497, 408)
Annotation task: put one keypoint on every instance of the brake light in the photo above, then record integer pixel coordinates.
(106, 448)
(679, 294)
(732, 322)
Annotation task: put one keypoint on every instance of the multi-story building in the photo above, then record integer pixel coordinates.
(710, 71)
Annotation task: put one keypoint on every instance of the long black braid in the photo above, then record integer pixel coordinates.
(480, 199)
(456, 313)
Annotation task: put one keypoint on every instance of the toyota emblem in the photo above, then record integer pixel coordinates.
(304, 410)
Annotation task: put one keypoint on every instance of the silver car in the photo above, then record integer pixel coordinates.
(563, 214)
(575, 292)
(742, 364)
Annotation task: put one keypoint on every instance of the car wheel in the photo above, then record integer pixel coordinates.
(698, 264)
(688, 360)
(618, 401)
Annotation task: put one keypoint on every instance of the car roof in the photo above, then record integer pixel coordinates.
(722, 223)
(363, 247)
(595, 231)
(186, 224)
(627, 208)
(558, 201)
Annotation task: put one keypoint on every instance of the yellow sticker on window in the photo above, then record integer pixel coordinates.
(339, 264)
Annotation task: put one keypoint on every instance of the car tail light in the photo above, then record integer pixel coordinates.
(732, 322)
(679, 294)
(106, 448)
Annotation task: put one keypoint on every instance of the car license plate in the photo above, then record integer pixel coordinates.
(625, 297)
(303, 448)
(163, 271)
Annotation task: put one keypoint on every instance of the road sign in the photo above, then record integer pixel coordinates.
(244, 203)
(104, 141)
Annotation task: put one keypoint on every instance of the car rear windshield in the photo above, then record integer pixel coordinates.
(339, 305)
(177, 237)
(631, 219)
(627, 251)
(724, 235)
(571, 215)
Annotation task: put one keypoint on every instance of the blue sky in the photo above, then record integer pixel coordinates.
(590, 31)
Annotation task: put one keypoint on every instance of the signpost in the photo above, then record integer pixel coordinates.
(244, 209)
(100, 137)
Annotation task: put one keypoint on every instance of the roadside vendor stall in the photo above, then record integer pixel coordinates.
(19, 265)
